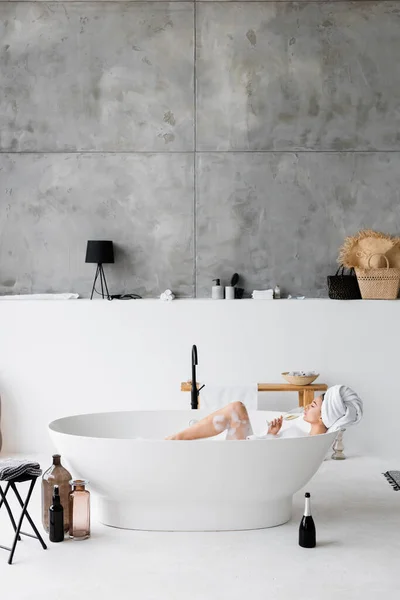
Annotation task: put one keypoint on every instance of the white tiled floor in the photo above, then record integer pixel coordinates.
(357, 515)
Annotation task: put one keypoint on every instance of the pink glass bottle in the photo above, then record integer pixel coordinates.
(79, 507)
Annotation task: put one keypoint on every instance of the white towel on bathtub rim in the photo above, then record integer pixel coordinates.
(213, 397)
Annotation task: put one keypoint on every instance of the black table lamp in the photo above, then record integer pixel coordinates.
(100, 252)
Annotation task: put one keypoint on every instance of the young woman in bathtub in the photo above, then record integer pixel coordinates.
(338, 408)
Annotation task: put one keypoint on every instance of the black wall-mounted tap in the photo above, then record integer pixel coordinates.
(194, 391)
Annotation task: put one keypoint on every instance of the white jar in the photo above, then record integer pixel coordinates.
(229, 292)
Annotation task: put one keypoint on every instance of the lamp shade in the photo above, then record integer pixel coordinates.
(99, 252)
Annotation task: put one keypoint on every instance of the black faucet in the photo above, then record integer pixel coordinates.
(194, 391)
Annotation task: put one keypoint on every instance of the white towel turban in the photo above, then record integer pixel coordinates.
(341, 407)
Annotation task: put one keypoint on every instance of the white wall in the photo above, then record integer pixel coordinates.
(60, 358)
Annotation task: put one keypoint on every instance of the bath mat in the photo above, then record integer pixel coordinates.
(393, 478)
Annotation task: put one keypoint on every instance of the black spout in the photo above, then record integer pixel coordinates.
(194, 390)
(194, 356)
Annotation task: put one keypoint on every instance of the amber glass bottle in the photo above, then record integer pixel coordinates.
(55, 475)
(79, 509)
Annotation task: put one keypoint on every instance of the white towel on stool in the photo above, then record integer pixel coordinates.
(213, 397)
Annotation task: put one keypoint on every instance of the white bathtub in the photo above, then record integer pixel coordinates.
(200, 485)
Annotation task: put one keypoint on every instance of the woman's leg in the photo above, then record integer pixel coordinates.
(233, 417)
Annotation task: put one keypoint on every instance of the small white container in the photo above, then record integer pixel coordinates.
(217, 291)
(229, 292)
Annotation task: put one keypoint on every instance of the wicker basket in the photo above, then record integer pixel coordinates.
(299, 379)
(378, 284)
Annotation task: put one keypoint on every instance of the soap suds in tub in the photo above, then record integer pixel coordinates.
(219, 422)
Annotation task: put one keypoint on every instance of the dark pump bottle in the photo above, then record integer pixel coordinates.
(307, 527)
(56, 518)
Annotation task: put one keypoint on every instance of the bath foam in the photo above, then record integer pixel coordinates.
(231, 434)
(235, 417)
(219, 422)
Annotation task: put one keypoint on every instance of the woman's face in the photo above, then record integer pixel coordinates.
(312, 412)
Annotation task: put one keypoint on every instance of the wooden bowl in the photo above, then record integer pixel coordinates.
(299, 379)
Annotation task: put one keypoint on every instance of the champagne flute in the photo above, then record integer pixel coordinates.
(293, 413)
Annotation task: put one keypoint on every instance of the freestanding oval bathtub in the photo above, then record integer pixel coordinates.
(145, 482)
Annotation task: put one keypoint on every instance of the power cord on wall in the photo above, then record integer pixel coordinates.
(131, 296)
(125, 297)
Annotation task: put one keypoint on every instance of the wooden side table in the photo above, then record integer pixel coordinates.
(305, 392)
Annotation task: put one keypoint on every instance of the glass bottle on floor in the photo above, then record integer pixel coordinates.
(307, 527)
(56, 518)
(79, 508)
(55, 475)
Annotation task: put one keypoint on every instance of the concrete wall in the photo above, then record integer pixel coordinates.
(203, 138)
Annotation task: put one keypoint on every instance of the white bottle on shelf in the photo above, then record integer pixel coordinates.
(217, 291)
(229, 292)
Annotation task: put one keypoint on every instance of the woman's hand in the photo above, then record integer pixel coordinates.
(275, 426)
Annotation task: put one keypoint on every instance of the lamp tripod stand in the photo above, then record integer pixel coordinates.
(103, 283)
(99, 252)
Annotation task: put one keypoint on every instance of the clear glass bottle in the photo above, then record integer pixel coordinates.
(79, 509)
(55, 475)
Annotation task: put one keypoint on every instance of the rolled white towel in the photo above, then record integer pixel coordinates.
(341, 408)
(167, 296)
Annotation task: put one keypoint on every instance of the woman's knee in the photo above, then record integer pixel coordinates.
(238, 411)
(239, 425)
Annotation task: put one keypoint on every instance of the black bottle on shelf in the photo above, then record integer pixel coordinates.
(56, 518)
(307, 527)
